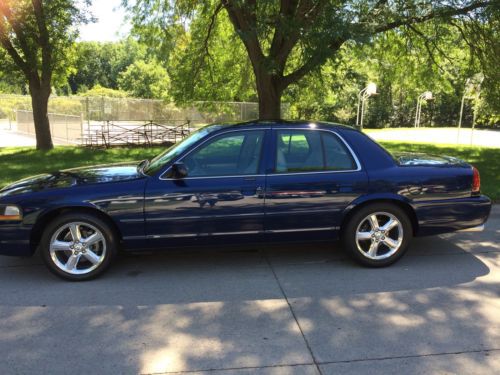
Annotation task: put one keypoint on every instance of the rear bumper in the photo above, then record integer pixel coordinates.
(15, 240)
(450, 215)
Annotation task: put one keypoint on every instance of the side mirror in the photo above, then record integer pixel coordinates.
(179, 170)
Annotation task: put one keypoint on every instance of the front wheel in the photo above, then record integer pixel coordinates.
(78, 247)
(378, 235)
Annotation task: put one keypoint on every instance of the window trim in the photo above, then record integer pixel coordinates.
(353, 154)
(205, 141)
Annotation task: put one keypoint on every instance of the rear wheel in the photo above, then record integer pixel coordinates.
(378, 235)
(78, 247)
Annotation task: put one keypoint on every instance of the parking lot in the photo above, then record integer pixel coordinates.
(302, 309)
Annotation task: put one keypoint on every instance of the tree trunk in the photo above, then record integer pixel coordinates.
(269, 92)
(40, 101)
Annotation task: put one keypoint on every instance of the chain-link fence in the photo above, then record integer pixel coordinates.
(129, 109)
(65, 128)
(73, 114)
(126, 109)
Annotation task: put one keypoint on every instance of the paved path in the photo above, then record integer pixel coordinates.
(482, 138)
(10, 138)
(298, 310)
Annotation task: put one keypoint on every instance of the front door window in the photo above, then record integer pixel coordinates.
(231, 154)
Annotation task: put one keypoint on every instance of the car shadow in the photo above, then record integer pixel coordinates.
(199, 310)
(243, 273)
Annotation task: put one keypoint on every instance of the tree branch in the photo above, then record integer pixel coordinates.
(303, 16)
(319, 58)
(7, 44)
(287, 10)
(244, 20)
(43, 40)
(211, 26)
(6, 12)
(441, 13)
(312, 63)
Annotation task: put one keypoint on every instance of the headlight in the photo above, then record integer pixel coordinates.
(10, 212)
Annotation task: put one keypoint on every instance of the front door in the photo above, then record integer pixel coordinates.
(315, 178)
(221, 196)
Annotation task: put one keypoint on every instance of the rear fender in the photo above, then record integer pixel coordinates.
(399, 200)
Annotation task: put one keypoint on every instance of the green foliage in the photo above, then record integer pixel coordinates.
(12, 80)
(57, 104)
(287, 41)
(221, 74)
(100, 64)
(9, 103)
(147, 80)
(65, 105)
(403, 69)
(22, 30)
(98, 90)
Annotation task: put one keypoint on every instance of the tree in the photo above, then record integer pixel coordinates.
(98, 63)
(286, 40)
(148, 80)
(222, 74)
(36, 34)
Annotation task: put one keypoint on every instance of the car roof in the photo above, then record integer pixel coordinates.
(276, 124)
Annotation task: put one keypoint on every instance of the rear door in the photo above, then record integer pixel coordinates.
(314, 178)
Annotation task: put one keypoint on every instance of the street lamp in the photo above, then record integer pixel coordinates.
(425, 96)
(472, 91)
(363, 95)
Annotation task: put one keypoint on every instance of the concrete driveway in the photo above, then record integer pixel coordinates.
(12, 138)
(267, 310)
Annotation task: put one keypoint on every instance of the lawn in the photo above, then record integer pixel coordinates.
(17, 163)
(20, 162)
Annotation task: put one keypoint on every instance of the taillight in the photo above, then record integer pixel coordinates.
(476, 180)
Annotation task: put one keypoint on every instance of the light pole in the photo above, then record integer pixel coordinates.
(425, 96)
(363, 95)
(472, 91)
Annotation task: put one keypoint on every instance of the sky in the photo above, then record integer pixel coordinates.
(110, 24)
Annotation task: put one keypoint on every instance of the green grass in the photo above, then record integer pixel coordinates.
(16, 163)
(20, 162)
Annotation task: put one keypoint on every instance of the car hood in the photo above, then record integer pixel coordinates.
(72, 177)
(413, 158)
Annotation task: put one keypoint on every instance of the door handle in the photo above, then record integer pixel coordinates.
(259, 192)
(249, 179)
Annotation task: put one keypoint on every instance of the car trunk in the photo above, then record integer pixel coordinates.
(410, 158)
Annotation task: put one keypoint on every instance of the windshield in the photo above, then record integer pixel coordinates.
(172, 152)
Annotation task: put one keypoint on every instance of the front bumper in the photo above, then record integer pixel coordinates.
(15, 240)
(450, 215)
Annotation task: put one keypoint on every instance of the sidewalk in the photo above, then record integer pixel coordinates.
(10, 138)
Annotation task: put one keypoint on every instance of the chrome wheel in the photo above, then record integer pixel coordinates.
(77, 248)
(379, 235)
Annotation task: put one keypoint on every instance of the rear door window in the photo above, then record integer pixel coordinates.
(311, 151)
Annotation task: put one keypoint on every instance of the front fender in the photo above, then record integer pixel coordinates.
(33, 215)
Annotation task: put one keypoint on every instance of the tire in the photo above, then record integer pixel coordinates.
(87, 257)
(379, 242)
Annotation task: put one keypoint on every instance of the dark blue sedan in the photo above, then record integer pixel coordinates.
(250, 182)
